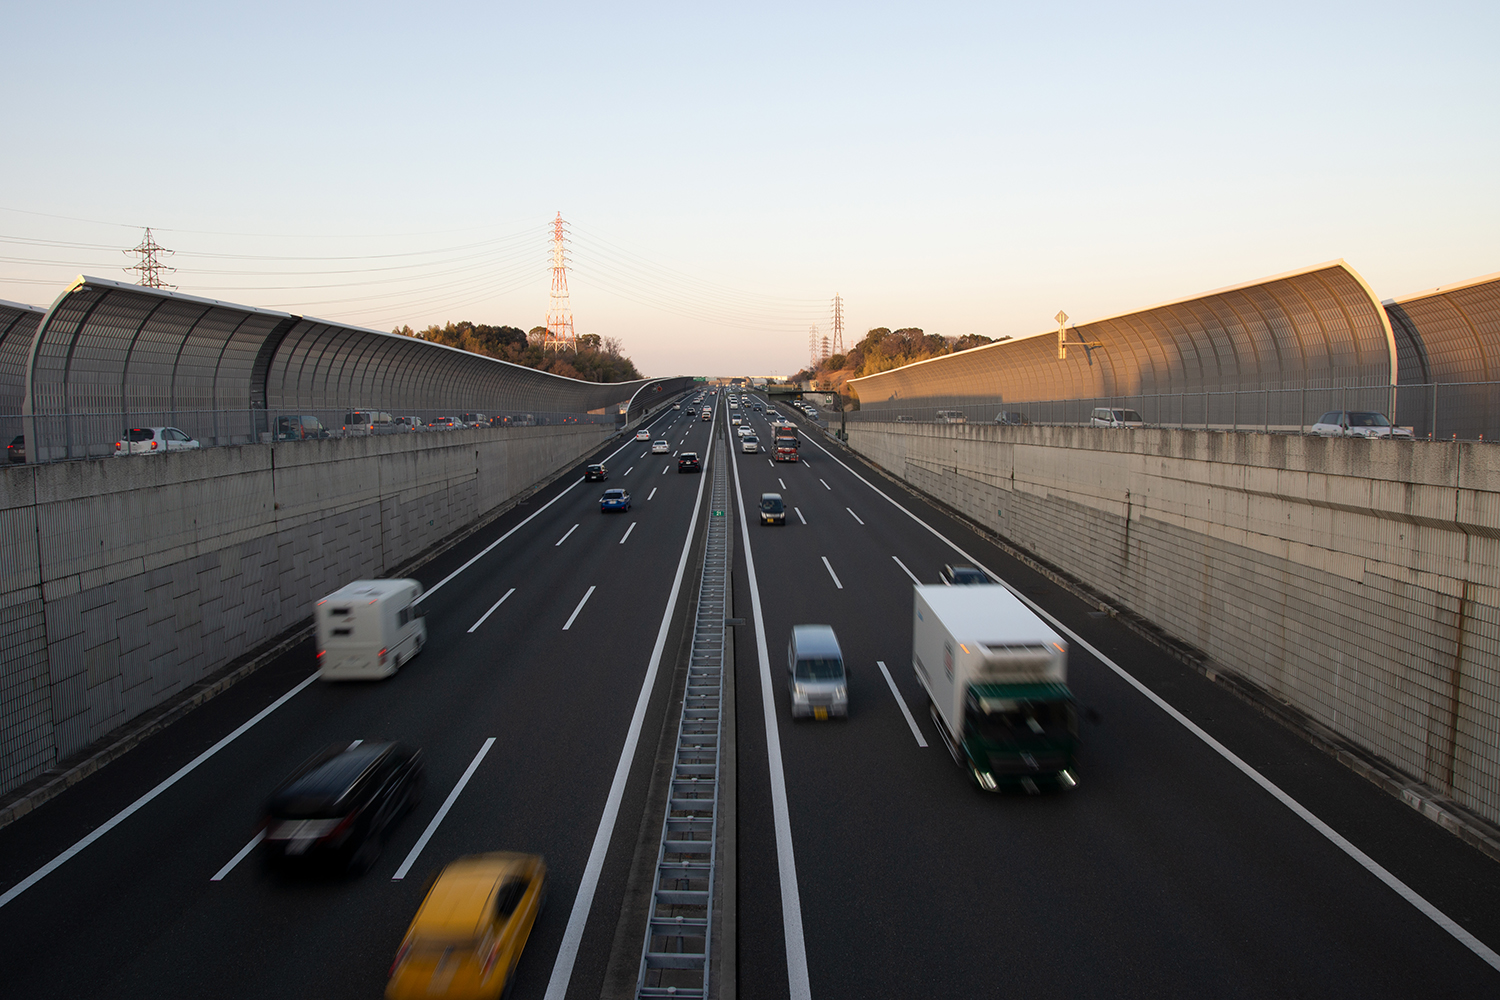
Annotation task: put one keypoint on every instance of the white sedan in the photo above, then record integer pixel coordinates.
(1340, 423)
(660, 447)
(744, 430)
(154, 441)
(643, 435)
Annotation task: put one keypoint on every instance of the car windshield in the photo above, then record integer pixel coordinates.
(820, 670)
(1368, 420)
(772, 505)
(751, 439)
(1006, 721)
(967, 574)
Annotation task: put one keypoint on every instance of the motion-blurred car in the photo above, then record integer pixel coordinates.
(816, 677)
(643, 435)
(16, 450)
(596, 473)
(688, 462)
(339, 806)
(469, 932)
(750, 444)
(660, 447)
(1360, 424)
(154, 441)
(613, 500)
(772, 509)
(961, 576)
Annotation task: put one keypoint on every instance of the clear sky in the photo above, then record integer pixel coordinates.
(726, 169)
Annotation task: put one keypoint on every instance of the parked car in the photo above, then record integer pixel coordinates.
(1360, 424)
(614, 500)
(16, 450)
(471, 928)
(1105, 416)
(750, 444)
(596, 473)
(154, 441)
(1012, 418)
(816, 677)
(660, 447)
(339, 806)
(772, 509)
(964, 575)
(688, 462)
(302, 428)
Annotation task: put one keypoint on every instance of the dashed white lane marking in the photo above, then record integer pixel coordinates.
(832, 573)
(902, 702)
(779, 480)
(564, 538)
(907, 571)
(492, 608)
(652, 493)
(586, 596)
(664, 468)
(218, 876)
(854, 515)
(770, 463)
(632, 468)
(442, 812)
(825, 485)
(627, 532)
(799, 515)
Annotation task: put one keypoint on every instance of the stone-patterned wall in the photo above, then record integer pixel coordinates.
(1359, 580)
(123, 582)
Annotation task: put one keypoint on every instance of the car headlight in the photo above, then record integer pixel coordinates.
(840, 693)
(798, 693)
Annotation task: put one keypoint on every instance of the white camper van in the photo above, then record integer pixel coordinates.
(368, 629)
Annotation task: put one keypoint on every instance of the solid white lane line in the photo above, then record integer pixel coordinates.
(131, 809)
(581, 603)
(416, 849)
(218, 876)
(786, 863)
(491, 610)
(854, 515)
(799, 514)
(632, 468)
(567, 952)
(825, 484)
(907, 571)
(627, 532)
(921, 742)
(1401, 889)
(652, 493)
(832, 573)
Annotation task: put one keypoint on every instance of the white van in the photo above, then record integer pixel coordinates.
(368, 629)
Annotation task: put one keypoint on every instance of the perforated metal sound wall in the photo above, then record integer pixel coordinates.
(1443, 336)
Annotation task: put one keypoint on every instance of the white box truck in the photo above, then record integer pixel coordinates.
(996, 676)
(368, 629)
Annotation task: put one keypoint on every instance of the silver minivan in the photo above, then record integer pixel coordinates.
(1107, 416)
(816, 678)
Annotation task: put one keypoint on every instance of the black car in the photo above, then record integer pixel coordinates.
(337, 808)
(596, 472)
(959, 576)
(688, 462)
(17, 448)
(772, 509)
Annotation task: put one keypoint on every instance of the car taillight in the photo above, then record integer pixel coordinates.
(489, 959)
(320, 654)
(118, 445)
(153, 445)
(400, 957)
(382, 655)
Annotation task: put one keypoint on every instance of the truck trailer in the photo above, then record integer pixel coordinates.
(368, 629)
(996, 678)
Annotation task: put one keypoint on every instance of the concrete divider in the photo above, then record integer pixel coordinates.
(1357, 581)
(124, 581)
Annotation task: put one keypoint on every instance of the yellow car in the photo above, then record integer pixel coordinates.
(468, 933)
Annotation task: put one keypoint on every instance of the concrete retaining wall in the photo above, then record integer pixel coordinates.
(1358, 580)
(122, 582)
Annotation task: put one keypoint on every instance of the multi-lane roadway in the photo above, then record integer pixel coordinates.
(867, 867)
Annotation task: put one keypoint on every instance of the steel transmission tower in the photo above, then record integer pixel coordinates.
(149, 268)
(812, 347)
(838, 324)
(560, 334)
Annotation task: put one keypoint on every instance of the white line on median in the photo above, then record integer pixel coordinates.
(825, 484)
(799, 514)
(442, 812)
(854, 515)
(567, 951)
(652, 493)
(907, 571)
(564, 538)
(1447, 923)
(921, 742)
(791, 900)
(218, 876)
(131, 809)
(581, 603)
(832, 573)
(627, 532)
(491, 610)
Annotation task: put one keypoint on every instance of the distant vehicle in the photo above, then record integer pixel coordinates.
(688, 462)
(787, 444)
(366, 422)
(660, 447)
(614, 500)
(1360, 424)
(772, 509)
(411, 423)
(1012, 418)
(996, 678)
(735, 421)
(596, 473)
(16, 450)
(340, 806)
(964, 575)
(368, 629)
(471, 928)
(708, 414)
(523, 420)
(744, 429)
(154, 441)
(676, 406)
(443, 423)
(474, 419)
(643, 435)
(816, 677)
(750, 444)
(1105, 416)
(951, 417)
(299, 429)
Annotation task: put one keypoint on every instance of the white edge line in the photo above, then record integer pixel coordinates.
(907, 571)
(131, 809)
(627, 532)
(218, 876)
(832, 573)
(564, 538)
(416, 849)
(492, 609)
(791, 900)
(921, 740)
(567, 951)
(1447, 923)
(587, 594)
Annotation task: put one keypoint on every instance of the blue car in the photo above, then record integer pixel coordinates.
(614, 500)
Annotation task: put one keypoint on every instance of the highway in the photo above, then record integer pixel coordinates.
(874, 871)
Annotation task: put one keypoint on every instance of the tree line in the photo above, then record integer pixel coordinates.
(597, 359)
(883, 349)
